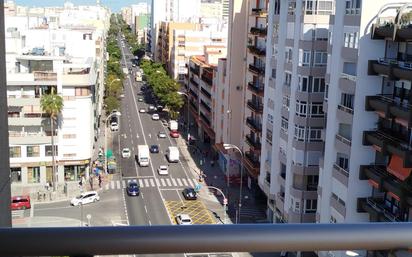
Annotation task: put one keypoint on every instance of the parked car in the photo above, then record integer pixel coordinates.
(155, 116)
(174, 134)
(183, 219)
(142, 110)
(126, 153)
(85, 198)
(133, 189)
(152, 108)
(154, 149)
(189, 193)
(114, 126)
(161, 134)
(20, 202)
(163, 170)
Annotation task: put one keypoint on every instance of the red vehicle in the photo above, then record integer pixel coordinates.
(20, 202)
(174, 134)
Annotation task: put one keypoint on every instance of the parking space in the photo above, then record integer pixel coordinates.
(195, 209)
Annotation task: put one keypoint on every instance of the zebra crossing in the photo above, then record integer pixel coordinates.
(153, 182)
(17, 214)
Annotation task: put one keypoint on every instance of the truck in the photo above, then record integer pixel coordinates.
(173, 125)
(125, 71)
(172, 154)
(143, 156)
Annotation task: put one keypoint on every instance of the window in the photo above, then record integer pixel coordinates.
(33, 174)
(288, 55)
(269, 136)
(301, 108)
(351, 40)
(15, 175)
(353, 7)
(284, 125)
(310, 206)
(321, 59)
(33, 151)
(286, 102)
(48, 150)
(311, 84)
(69, 136)
(288, 79)
(15, 151)
(274, 73)
(308, 134)
(306, 55)
(347, 100)
(82, 91)
(291, 8)
(316, 110)
(326, 92)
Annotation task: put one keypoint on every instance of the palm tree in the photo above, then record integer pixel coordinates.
(52, 104)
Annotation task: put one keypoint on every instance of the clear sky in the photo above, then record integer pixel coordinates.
(114, 5)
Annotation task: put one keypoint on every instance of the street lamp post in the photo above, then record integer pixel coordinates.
(224, 201)
(187, 107)
(105, 138)
(231, 146)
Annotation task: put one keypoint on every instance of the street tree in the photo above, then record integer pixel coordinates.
(52, 104)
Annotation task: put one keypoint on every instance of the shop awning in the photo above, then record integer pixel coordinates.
(396, 168)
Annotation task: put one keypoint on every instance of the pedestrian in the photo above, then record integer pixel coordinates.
(91, 182)
(81, 185)
(100, 181)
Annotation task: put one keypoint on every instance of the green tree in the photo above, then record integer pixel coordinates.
(52, 104)
(111, 103)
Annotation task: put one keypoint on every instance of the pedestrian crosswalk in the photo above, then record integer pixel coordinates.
(153, 182)
(17, 214)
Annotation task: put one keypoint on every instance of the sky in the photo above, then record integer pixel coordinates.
(114, 5)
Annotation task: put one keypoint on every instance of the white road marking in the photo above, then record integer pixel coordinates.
(190, 182)
(184, 182)
(118, 184)
(163, 182)
(157, 182)
(141, 182)
(123, 184)
(174, 182)
(152, 183)
(112, 185)
(168, 182)
(179, 182)
(146, 183)
(106, 187)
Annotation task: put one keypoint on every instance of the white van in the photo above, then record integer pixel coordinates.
(172, 154)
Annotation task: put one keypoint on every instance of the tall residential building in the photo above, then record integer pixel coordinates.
(127, 15)
(293, 117)
(180, 11)
(70, 60)
(365, 172)
(187, 43)
(166, 40)
(254, 93)
(230, 89)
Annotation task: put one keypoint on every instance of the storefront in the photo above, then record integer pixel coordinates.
(74, 172)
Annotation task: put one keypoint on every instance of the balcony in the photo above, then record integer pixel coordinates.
(44, 76)
(390, 108)
(394, 69)
(205, 119)
(386, 181)
(394, 31)
(255, 144)
(340, 174)
(255, 106)
(205, 93)
(256, 50)
(193, 93)
(205, 106)
(252, 164)
(377, 210)
(208, 78)
(195, 70)
(194, 107)
(253, 124)
(256, 88)
(258, 31)
(194, 82)
(257, 69)
(388, 144)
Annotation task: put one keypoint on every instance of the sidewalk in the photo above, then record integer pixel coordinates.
(252, 210)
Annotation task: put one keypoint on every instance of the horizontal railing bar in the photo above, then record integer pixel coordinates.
(204, 238)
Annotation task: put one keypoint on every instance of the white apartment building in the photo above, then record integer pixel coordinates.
(293, 119)
(187, 43)
(71, 60)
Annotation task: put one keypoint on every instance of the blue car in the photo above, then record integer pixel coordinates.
(133, 189)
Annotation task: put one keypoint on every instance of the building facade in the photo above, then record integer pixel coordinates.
(69, 60)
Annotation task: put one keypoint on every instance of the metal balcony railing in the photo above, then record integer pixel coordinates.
(204, 238)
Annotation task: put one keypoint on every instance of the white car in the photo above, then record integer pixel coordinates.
(140, 99)
(85, 198)
(142, 110)
(161, 135)
(163, 170)
(183, 219)
(151, 108)
(155, 116)
(126, 153)
(114, 126)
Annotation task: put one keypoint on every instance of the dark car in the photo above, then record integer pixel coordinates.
(154, 149)
(133, 189)
(189, 194)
